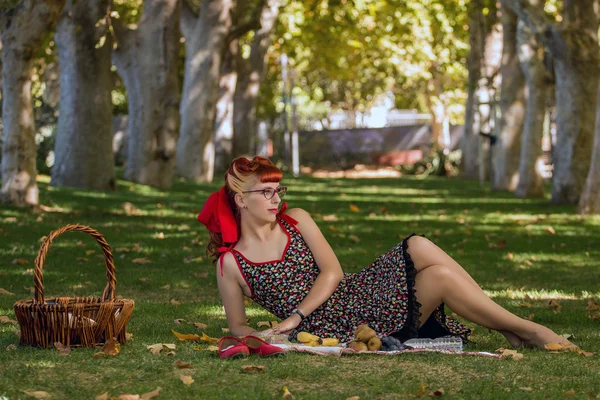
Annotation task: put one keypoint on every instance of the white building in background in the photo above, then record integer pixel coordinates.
(382, 114)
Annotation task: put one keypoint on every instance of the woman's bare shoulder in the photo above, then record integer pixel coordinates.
(299, 214)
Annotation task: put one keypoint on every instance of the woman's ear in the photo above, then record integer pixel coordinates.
(239, 201)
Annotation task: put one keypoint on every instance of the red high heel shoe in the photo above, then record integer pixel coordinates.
(232, 347)
(262, 348)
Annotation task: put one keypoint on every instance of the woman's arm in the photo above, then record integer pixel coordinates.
(233, 297)
(330, 274)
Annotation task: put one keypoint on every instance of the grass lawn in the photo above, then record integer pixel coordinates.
(524, 253)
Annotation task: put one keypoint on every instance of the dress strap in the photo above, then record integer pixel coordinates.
(224, 250)
(281, 214)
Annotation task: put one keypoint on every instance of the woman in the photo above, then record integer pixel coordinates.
(282, 261)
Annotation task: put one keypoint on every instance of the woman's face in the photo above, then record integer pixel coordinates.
(262, 200)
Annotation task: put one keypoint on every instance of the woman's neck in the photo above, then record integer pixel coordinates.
(253, 231)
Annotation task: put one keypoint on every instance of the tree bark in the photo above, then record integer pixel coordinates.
(146, 58)
(574, 46)
(512, 109)
(251, 73)
(590, 198)
(531, 56)
(224, 116)
(23, 29)
(470, 138)
(205, 40)
(83, 152)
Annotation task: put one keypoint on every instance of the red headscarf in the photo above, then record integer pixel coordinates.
(218, 217)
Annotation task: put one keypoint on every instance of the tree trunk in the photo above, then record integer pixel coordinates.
(590, 198)
(512, 109)
(23, 29)
(146, 58)
(83, 150)
(205, 38)
(574, 46)
(470, 138)
(531, 56)
(251, 74)
(224, 117)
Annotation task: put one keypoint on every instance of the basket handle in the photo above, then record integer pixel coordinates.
(38, 279)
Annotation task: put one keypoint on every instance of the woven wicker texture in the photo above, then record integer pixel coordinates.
(73, 321)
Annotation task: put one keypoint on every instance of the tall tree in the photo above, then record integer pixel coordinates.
(573, 43)
(224, 113)
(205, 36)
(146, 57)
(470, 139)
(83, 151)
(531, 57)
(23, 29)
(512, 108)
(251, 73)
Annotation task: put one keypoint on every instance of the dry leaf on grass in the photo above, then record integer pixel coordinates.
(526, 388)
(187, 380)
(354, 208)
(150, 395)
(141, 261)
(61, 349)
(592, 305)
(111, 348)
(6, 292)
(437, 393)
(286, 393)
(182, 364)
(129, 397)
(187, 336)
(550, 230)
(166, 287)
(353, 398)
(20, 261)
(570, 393)
(103, 396)
(555, 305)
(510, 353)
(200, 325)
(11, 347)
(5, 320)
(225, 330)
(155, 348)
(254, 368)
(37, 394)
(209, 348)
(175, 302)
(179, 321)
(268, 324)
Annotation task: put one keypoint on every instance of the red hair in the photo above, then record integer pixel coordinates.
(241, 175)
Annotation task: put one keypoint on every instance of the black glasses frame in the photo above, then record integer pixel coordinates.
(281, 190)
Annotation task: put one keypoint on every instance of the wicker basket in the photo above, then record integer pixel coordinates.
(73, 321)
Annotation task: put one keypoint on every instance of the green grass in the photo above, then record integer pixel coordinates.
(461, 217)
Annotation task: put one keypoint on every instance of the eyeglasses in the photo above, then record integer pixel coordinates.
(269, 192)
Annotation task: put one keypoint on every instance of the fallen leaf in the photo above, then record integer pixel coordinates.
(182, 364)
(62, 349)
(526, 305)
(286, 393)
(20, 261)
(175, 302)
(5, 320)
(187, 380)
(187, 336)
(37, 394)
(11, 347)
(103, 396)
(141, 261)
(82, 259)
(128, 336)
(179, 321)
(353, 398)
(510, 256)
(111, 348)
(529, 317)
(160, 235)
(550, 230)
(122, 250)
(200, 325)
(206, 338)
(570, 393)
(512, 353)
(89, 252)
(155, 348)
(166, 287)
(354, 238)
(437, 393)
(269, 324)
(149, 395)
(190, 259)
(6, 292)
(145, 279)
(354, 208)
(129, 397)
(225, 330)
(592, 305)
(595, 315)
(330, 218)
(253, 368)
(170, 346)
(555, 305)
(526, 388)
(209, 348)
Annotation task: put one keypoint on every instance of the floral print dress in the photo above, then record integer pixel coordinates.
(382, 295)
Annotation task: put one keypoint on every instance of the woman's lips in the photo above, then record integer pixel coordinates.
(273, 210)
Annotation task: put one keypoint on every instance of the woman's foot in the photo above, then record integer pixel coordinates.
(543, 336)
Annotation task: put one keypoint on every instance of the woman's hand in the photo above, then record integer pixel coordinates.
(285, 327)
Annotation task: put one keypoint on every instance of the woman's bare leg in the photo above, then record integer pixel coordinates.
(425, 253)
(439, 283)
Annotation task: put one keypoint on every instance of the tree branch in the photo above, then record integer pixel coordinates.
(250, 25)
(187, 19)
(546, 31)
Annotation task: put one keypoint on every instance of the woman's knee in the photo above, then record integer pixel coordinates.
(437, 274)
(420, 249)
